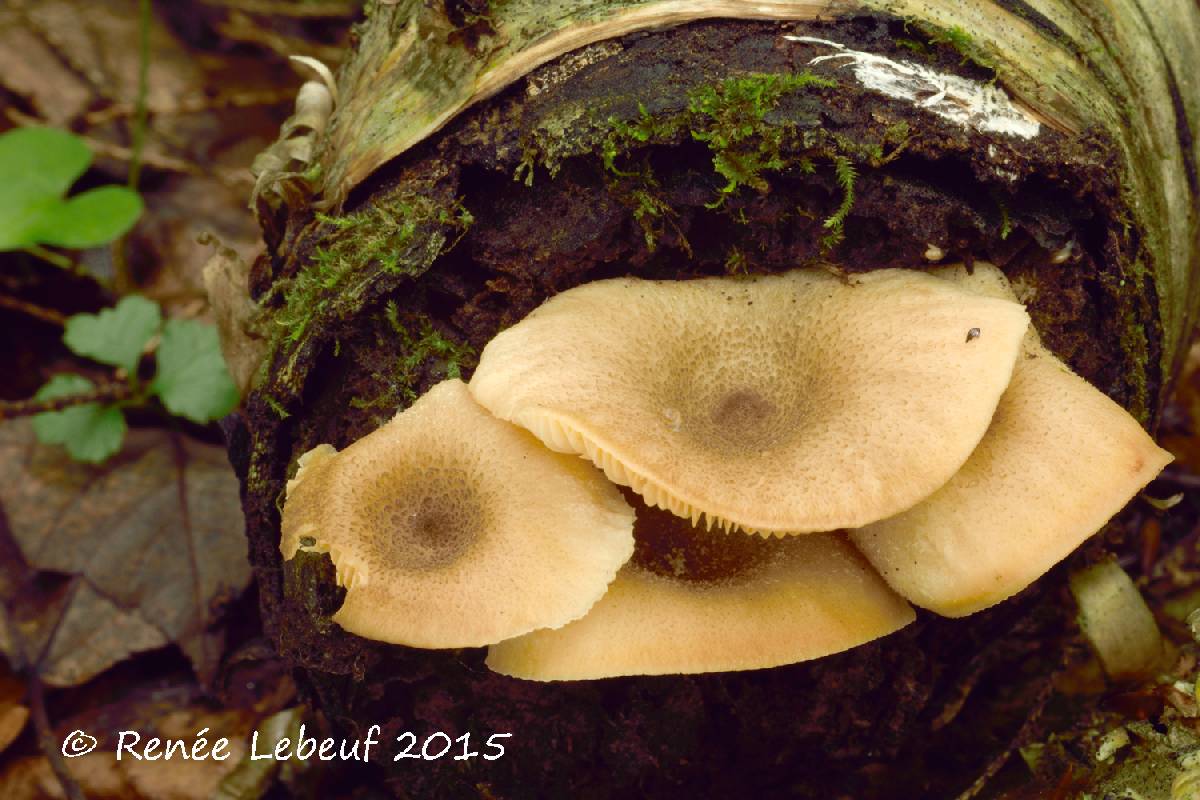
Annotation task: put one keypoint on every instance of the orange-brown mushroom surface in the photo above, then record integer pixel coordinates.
(1058, 461)
(451, 528)
(693, 600)
(788, 403)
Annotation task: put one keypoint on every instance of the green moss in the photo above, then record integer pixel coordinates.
(644, 130)
(960, 40)
(279, 410)
(751, 127)
(426, 354)
(639, 190)
(736, 262)
(423, 344)
(846, 175)
(378, 239)
(729, 117)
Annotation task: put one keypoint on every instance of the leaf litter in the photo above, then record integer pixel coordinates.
(151, 543)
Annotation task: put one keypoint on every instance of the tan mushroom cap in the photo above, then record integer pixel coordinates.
(788, 404)
(1059, 460)
(778, 601)
(451, 528)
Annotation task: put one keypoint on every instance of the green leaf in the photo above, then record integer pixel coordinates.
(90, 219)
(40, 162)
(192, 379)
(115, 336)
(37, 167)
(91, 432)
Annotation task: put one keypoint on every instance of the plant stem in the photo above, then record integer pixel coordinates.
(33, 310)
(140, 113)
(110, 393)
(57, 259)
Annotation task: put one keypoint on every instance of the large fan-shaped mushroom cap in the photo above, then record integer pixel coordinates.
(787, 403)
(451, 528)
(1059, 460)
(708, 601)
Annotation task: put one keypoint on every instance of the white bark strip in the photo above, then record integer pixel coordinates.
(971, 104)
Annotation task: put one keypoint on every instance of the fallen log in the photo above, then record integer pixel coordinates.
(483, 157)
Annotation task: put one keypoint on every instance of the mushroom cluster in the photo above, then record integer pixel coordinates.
(807, 454)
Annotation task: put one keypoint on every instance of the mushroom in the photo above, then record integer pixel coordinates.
(451, 528)
(693, 600)
(788, 403)
(1059, 460)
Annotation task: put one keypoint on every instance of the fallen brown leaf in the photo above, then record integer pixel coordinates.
(152, 542)
(226, 277)
(13, 711)
(176, 714)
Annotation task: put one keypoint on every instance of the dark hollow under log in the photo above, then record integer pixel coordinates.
(674, 153)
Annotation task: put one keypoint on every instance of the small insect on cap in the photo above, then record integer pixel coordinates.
(451, 528)
(710, 601)
(1059, 460)
(787, 404)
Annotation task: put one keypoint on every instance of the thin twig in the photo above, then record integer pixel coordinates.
(109, 393)
(276, 8)
(241, 28)
(1184, 480)
(194, 105)
(49, 742)
(233, 178)
(33, 310)
(143, 90)
(59, 260)
(35, 694)
(997, 763)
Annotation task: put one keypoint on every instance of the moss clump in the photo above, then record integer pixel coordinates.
(846, 176)
(427, 356)
(645, 130)
(733, 118)
(380, 239)
(729, 117)
(955, 37)
(738, 120)
(423, 345)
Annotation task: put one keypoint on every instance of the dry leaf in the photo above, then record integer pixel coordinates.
(153, 541)
(28, 67)
(226, 277)
(175, 714)
(13, 711)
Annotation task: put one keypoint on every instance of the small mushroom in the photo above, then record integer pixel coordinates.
(1059, 460)
(693, 601)
(451, 528)
(786, 404)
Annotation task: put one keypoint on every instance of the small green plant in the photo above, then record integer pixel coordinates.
(37, 167)
(732, 112)
(190, 378)
(846, 175)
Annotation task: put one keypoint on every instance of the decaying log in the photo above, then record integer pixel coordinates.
(485, 156)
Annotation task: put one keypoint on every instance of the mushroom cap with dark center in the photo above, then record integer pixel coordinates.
(451, 528)
(1058, 461)
(787, 403)
(693, 601)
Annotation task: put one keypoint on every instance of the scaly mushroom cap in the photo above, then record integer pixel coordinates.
(1059, 460)
(786, 404)
(708, 601)
(451, 528)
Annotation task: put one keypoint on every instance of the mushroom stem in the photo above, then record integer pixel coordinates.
(1117, 622)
